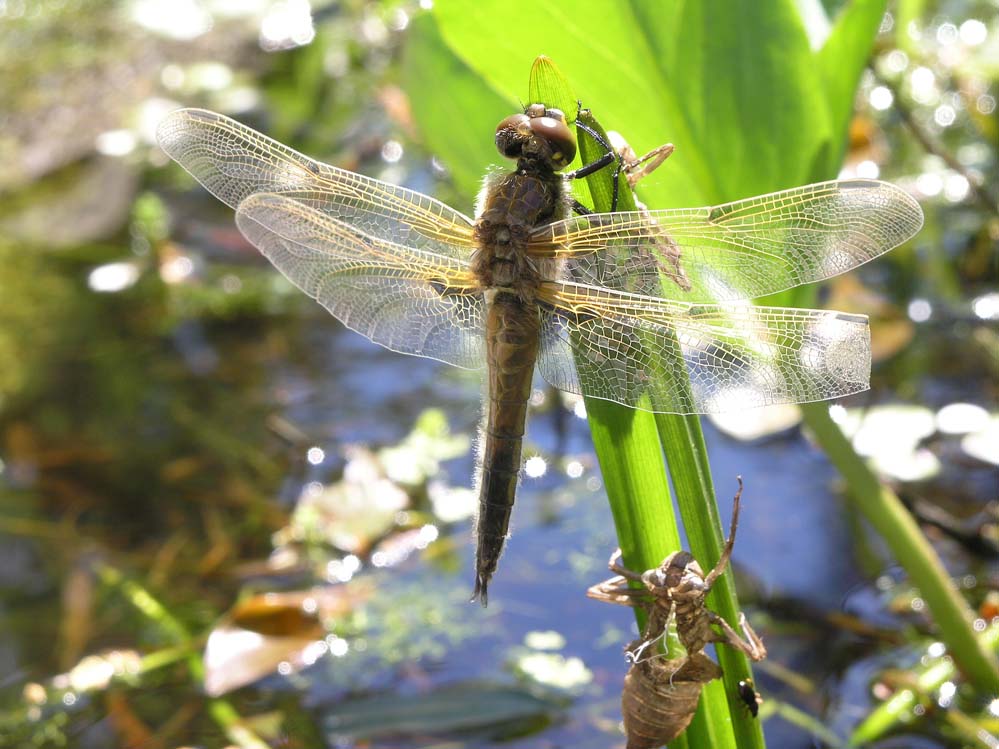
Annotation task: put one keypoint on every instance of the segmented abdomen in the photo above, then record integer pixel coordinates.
(512, 339)
(660, 697)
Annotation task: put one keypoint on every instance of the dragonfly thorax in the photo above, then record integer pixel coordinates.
(514, 204)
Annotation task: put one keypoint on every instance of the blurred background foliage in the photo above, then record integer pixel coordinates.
(228, 521)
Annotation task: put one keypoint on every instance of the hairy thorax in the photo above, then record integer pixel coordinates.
(514, 204)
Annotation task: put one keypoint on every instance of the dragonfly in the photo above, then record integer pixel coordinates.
(649, 309)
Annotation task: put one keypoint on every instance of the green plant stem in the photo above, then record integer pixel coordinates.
(970, 731)
(928, 679)
(687, 456)
(631, 463)
(161, 659)
(885, 512)
(803, 720)
(628, 445)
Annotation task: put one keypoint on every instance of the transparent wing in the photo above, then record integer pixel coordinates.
(233, 162)
(641, 352)
(739, 250)
(409, 300)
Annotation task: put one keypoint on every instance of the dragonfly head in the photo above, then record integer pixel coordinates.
(678, 575)
(540, 134)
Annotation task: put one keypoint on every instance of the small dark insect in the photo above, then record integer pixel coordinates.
(750, 697)
(661, 694)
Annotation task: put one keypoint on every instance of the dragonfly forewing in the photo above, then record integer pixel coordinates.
(648, 309)
(745, 249)
(676, 357)
(409, 300)
(234, 161)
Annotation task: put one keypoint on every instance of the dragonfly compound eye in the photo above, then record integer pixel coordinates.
(560, 139)
(511, 134)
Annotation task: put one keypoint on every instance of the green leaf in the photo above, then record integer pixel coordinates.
(548, 85)
(601, 46)
(646, 526)
(627, 445)
(456, 109)
(742, 99)
(841, 60)
(737, 74)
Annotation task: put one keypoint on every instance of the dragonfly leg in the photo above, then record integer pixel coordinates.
(752, 645)
(729, 544)
(652, 160)
(615, 566)
(609, 156)
(616, 590)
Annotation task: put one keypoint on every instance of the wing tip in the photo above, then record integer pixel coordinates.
(851, 317)
(247, 212)
(171, 130)
(901, 200)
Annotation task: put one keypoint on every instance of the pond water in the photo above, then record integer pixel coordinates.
(797, 543)
(180, 432)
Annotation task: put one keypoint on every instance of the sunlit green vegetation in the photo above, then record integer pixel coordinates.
(227, 521)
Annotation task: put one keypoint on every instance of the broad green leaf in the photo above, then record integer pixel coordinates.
(738, 74)
(599, 46)
(731, 82)
(841, 60)
(456, 109)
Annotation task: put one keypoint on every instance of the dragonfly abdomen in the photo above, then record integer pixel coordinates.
(512, 339)
(660, 697)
